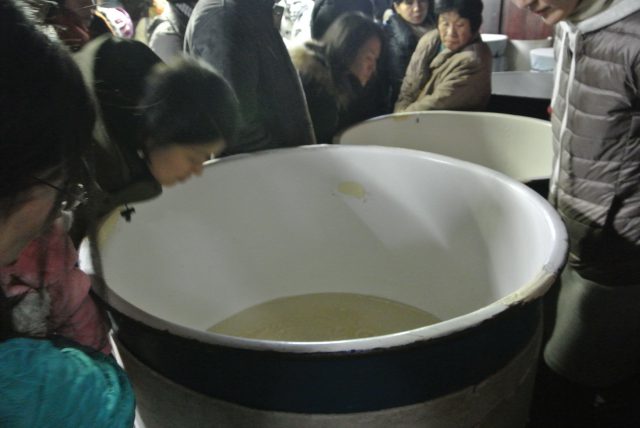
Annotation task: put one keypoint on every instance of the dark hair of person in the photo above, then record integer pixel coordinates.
(325, 12)
(137, 9)
(187, 102)
(431, 15)
(46, 115)
(119, 72)
(469, 9)
(345, 37)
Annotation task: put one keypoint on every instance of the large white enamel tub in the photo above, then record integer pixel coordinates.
(465, 243)
(517, 146)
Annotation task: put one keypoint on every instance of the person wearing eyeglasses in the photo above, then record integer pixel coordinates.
(410, 20)
(451, 66)
(178, 128)
(46, 120)
(57, 279)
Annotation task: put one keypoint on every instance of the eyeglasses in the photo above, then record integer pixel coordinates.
(73, 196)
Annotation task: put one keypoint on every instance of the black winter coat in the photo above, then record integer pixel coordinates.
(402, 41)
(239, 39)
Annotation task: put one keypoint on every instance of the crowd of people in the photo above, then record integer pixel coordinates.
(254, 47)
(103, 106)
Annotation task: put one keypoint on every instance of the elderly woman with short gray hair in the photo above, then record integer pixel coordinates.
(451, 66)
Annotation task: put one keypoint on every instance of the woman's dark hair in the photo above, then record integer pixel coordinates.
(119, 72)
(46, 114)
(345, 37)
(187, 102)
(137, 9)
(325, 12)
(431, 15)
(470, 9)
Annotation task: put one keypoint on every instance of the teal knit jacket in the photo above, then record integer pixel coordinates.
(49, 384)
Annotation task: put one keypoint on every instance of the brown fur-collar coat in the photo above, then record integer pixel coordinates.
(328, 100)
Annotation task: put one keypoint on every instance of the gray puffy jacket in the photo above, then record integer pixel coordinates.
(596, 132)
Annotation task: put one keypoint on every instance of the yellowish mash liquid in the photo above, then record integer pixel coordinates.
(324, 317)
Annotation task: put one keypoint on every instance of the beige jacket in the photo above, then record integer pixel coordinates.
(446, 80)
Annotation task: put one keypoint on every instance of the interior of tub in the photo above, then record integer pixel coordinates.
(444, 236)
(517, 146)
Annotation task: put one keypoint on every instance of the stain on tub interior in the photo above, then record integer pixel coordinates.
(353, 189)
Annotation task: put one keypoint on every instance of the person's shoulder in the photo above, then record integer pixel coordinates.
(477, 51)
(214, 16)
(628, 26)
(395, 23)
(398, 29)
(212, 4)
(24, 351)
(93, 47)
(314, 71)
(431, 37)
(308, 58)
(210, 8)
(48, 382)
(38, 356)
(160, 26)
(29, 360)
(619, 12)
(428, 42)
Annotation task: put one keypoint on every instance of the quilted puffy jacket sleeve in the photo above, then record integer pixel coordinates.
(44, 385)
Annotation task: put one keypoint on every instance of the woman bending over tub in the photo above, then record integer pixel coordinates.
(335, 70)
(157, 124)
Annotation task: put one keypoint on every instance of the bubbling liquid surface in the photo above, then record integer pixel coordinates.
(321, 317)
